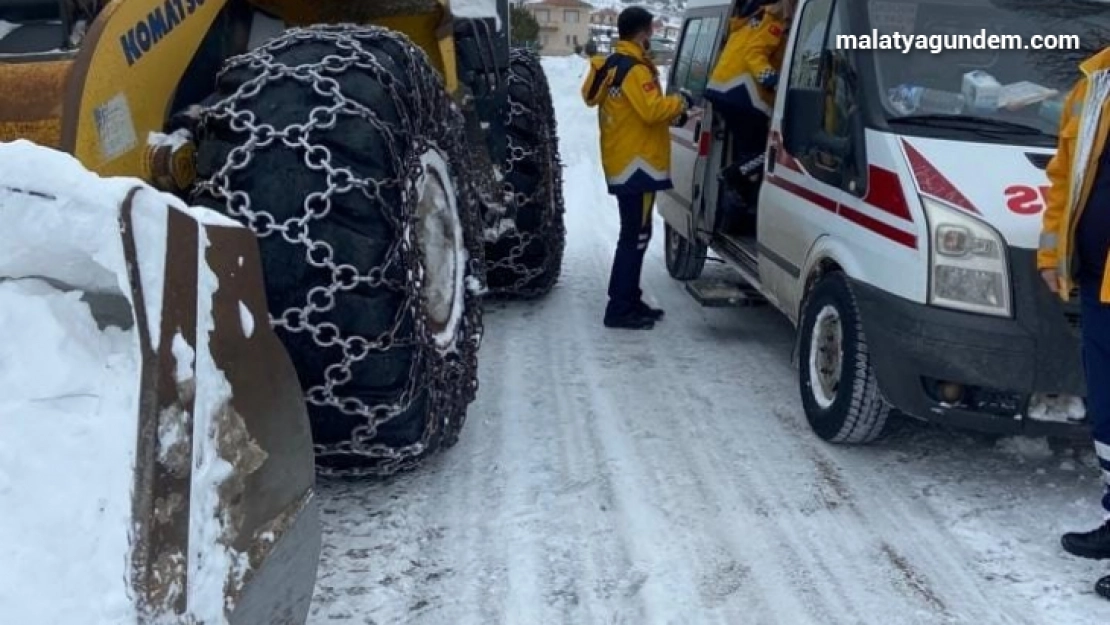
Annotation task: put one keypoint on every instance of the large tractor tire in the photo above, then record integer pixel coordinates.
(525, 254)
(341, 149)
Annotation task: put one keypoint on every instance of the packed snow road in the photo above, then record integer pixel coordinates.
(670, 477)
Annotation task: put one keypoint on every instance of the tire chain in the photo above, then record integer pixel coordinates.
(421, 105)
(547, 197)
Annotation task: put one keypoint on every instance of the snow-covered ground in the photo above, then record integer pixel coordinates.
(609, 477)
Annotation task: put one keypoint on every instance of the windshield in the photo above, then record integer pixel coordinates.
(1009, 95)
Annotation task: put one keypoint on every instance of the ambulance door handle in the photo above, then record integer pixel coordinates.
(772, 156)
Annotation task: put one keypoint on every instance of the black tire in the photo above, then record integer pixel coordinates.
(360, 321)
(857, 412)
(685, 258)
(524, 257)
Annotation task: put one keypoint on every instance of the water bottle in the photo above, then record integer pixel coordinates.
(910, 99)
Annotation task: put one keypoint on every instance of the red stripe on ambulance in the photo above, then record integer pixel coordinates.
(884, 192)
(931, 182)
(847, 212)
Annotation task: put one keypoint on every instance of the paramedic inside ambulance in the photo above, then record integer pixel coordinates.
(742, 85)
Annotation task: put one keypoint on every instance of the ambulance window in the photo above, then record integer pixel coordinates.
(829, 74)
(805, 68)
(840, 82)
(695, 54)
(685, 54)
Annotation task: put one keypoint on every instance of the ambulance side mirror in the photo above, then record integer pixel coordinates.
(802, 117)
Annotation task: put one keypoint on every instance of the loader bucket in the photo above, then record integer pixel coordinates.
(159, 465)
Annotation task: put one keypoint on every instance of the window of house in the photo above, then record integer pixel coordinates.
(570, 17)
(568, 40)
(543, 16)
(695, 54)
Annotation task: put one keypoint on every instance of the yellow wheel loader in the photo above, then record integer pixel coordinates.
(395, 159)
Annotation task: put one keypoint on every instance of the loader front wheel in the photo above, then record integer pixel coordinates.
(340, 148)
(525, 251)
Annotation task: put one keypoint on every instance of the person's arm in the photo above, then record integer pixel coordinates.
(593, 88)
(1059, 178)
(765, 41)
(642, 92)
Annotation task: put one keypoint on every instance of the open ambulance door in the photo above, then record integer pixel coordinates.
(698, 48)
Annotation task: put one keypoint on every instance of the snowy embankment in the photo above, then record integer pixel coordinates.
(68, 402)
(71, 352)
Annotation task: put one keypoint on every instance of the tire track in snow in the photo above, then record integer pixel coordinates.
(804, 572)
(806, 590)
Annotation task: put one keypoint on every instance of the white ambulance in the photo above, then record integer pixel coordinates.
(899, 211)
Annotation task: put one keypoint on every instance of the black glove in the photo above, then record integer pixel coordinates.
(687, 98)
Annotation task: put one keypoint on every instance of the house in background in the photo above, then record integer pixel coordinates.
(564, 25)
(668, 28)
(603, 29)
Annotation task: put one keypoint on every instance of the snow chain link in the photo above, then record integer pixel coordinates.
(425, 112)
(547, 198)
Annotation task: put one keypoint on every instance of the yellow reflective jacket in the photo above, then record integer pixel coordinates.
(747, 72)
(634, 119)
(1084, 127)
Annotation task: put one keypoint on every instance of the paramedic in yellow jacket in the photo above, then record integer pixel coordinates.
(1075, 244)
(634, 119)
(742, 84)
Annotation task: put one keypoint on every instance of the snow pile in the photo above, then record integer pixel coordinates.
(68, 395)
(68, 401)
(1063, 408)
(476, 9)
(1026, 448)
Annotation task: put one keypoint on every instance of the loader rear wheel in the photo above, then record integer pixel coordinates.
(525, 253)
(839, 391)
(340, 148)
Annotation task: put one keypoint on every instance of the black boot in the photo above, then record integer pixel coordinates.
(655, 314)
(1094, 545)
(1102, 587)
(631, 320)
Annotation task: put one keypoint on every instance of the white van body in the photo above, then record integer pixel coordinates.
(965, 333)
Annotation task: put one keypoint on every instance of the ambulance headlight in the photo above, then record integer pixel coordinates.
(968, 269)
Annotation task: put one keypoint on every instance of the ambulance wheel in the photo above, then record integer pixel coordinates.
(839, 391)
(339, 147)
(685, 258)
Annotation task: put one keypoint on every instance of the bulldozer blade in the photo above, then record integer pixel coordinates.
(224, 523)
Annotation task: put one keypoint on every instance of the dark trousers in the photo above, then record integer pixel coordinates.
(1095, 318)
(624, 279)
(749, 131)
